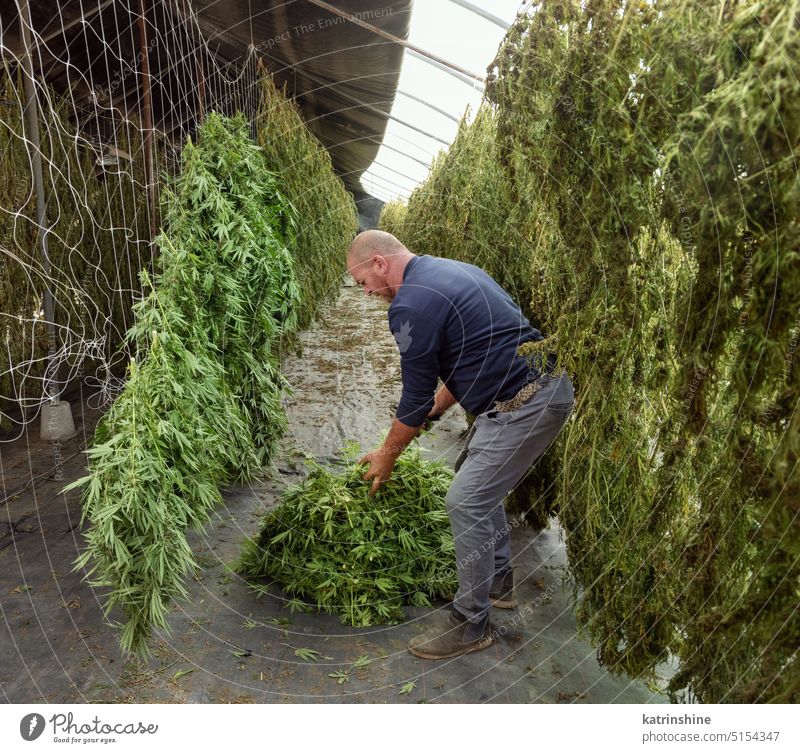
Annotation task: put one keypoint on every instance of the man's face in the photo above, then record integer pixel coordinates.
(371, 275)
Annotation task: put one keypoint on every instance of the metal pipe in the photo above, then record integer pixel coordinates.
(415, 181)
(428, 104)
(394, 149)
(34, 150)
(476, 84)
(201, 88)
(147, 122)
(357, 102)
(63, 28)
(482, 13)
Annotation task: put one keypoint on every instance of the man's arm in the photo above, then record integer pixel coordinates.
(399, 437)
(381, 461)
(442, 401)
(418, 338)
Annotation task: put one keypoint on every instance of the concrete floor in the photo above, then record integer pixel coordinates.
(228, 645)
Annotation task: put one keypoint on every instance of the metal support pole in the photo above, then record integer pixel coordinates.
(201, 89)
(34, 150)
(429, 104)
(147, 122)
(464, 74)
(477, 10)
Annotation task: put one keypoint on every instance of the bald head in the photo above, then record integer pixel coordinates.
(372, 242)
(377, 260)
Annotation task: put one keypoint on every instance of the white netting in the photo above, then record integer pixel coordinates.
(101, 205)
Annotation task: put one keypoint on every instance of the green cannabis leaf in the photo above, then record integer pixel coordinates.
(361, 662)
(308, 654)
(407, 688)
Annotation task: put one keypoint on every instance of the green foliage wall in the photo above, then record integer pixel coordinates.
(644, 155)
(392, 217)
(327, 214)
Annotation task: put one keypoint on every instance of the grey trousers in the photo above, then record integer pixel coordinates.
(501, 447)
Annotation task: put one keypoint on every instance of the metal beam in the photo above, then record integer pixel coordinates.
(482, 13)
(147, 123)
(34, 150)
(477, 83)
(408, 177)
(386, 181)
(412, 48)
(424, 164)
(356, 102)
(61, 29)
(428, 104)
(413, 127)
(75, 21)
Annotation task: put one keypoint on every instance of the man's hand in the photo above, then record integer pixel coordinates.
(381, 461)
(381, 464)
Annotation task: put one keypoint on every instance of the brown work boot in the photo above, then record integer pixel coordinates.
(502, 591)
(451, 634)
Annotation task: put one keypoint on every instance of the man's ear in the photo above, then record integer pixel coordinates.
(379, 264)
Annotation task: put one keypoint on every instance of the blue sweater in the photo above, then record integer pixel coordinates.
(452, 321)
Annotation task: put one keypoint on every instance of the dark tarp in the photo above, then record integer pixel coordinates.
(343, 77)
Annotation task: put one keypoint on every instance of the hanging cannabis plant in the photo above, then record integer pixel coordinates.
(361, 557)
(201, 404)
(633, 173)
(307, 179)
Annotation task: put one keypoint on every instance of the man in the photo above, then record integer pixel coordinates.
(453, 321)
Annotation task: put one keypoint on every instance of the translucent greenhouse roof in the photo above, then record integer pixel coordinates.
(466, 34)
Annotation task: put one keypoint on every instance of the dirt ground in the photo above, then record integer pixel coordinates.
(229, 645)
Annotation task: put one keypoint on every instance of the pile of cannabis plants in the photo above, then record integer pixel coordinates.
(358, 556)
